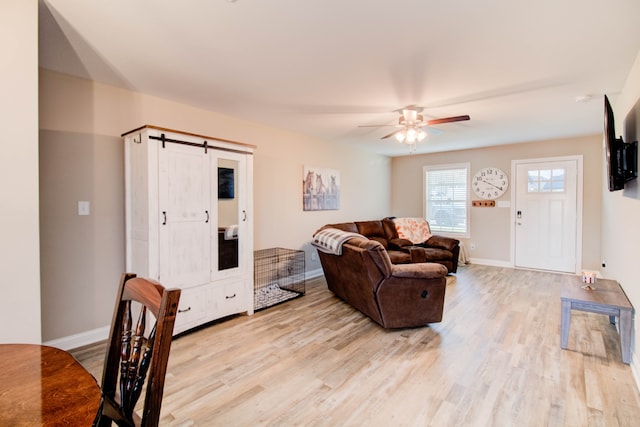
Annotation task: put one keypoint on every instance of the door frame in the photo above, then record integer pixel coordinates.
(579, 202)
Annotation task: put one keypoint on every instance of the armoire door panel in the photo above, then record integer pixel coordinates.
(186, 183)
(184, 253)
(184, 224)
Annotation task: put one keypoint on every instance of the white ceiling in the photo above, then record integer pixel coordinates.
(323, 67)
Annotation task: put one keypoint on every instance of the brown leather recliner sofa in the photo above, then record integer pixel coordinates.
(393, 295)
(439, 249)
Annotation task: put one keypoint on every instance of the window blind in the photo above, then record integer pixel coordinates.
(446, 195)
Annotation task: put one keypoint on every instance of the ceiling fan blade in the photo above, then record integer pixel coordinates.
(448, 120)
(390, 135)
(432, 131)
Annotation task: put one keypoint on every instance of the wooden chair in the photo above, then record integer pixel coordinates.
(131, 355)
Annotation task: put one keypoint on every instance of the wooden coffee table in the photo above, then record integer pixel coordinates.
(608, 298)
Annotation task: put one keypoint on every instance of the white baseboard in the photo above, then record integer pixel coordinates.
(312, 274)
(81, 339)
(490, 262)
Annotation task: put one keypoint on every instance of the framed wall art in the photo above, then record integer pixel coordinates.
(320, 189)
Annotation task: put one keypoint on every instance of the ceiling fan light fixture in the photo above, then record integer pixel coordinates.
(412, 126)
(412, 135)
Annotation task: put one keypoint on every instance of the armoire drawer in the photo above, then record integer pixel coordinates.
(228, 298)
(192, 309)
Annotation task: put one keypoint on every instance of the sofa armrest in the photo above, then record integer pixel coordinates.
(442, 242)
(399, 243)
(427, 270)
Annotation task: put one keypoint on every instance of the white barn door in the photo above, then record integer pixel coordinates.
(186, 216)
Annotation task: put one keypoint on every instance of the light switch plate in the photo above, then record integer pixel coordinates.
(84, 208)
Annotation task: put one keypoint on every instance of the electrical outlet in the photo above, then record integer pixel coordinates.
(472, 246)
(84, 208)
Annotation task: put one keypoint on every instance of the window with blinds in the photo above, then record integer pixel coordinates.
(447, 198)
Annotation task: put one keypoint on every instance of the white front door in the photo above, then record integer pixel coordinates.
(546, 215)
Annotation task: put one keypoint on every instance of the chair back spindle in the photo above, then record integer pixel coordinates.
(131, 356)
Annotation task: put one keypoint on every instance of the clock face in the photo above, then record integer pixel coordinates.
(490, 183)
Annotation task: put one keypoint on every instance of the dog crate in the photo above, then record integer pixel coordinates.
(278, 276)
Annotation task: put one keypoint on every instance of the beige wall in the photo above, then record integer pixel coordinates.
(82, 257)
(19, 241)
(82, 159)
(490, 228)
(621, 216)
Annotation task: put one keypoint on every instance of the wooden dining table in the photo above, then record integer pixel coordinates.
(45, 386)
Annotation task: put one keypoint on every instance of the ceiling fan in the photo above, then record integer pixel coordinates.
(411, 125)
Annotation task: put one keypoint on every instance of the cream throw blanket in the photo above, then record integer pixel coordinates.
(330, 240)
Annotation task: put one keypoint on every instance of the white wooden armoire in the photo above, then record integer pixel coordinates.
(189, 222)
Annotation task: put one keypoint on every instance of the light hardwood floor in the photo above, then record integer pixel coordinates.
(495, 360)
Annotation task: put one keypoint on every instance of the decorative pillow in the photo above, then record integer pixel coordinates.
(414, 229)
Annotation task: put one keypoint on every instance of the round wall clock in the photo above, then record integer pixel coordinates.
(490, 183)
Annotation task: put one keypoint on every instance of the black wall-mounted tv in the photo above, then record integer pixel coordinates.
(622, 158)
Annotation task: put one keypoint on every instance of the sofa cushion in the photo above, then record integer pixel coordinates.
(399, 257)
(373, 230)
